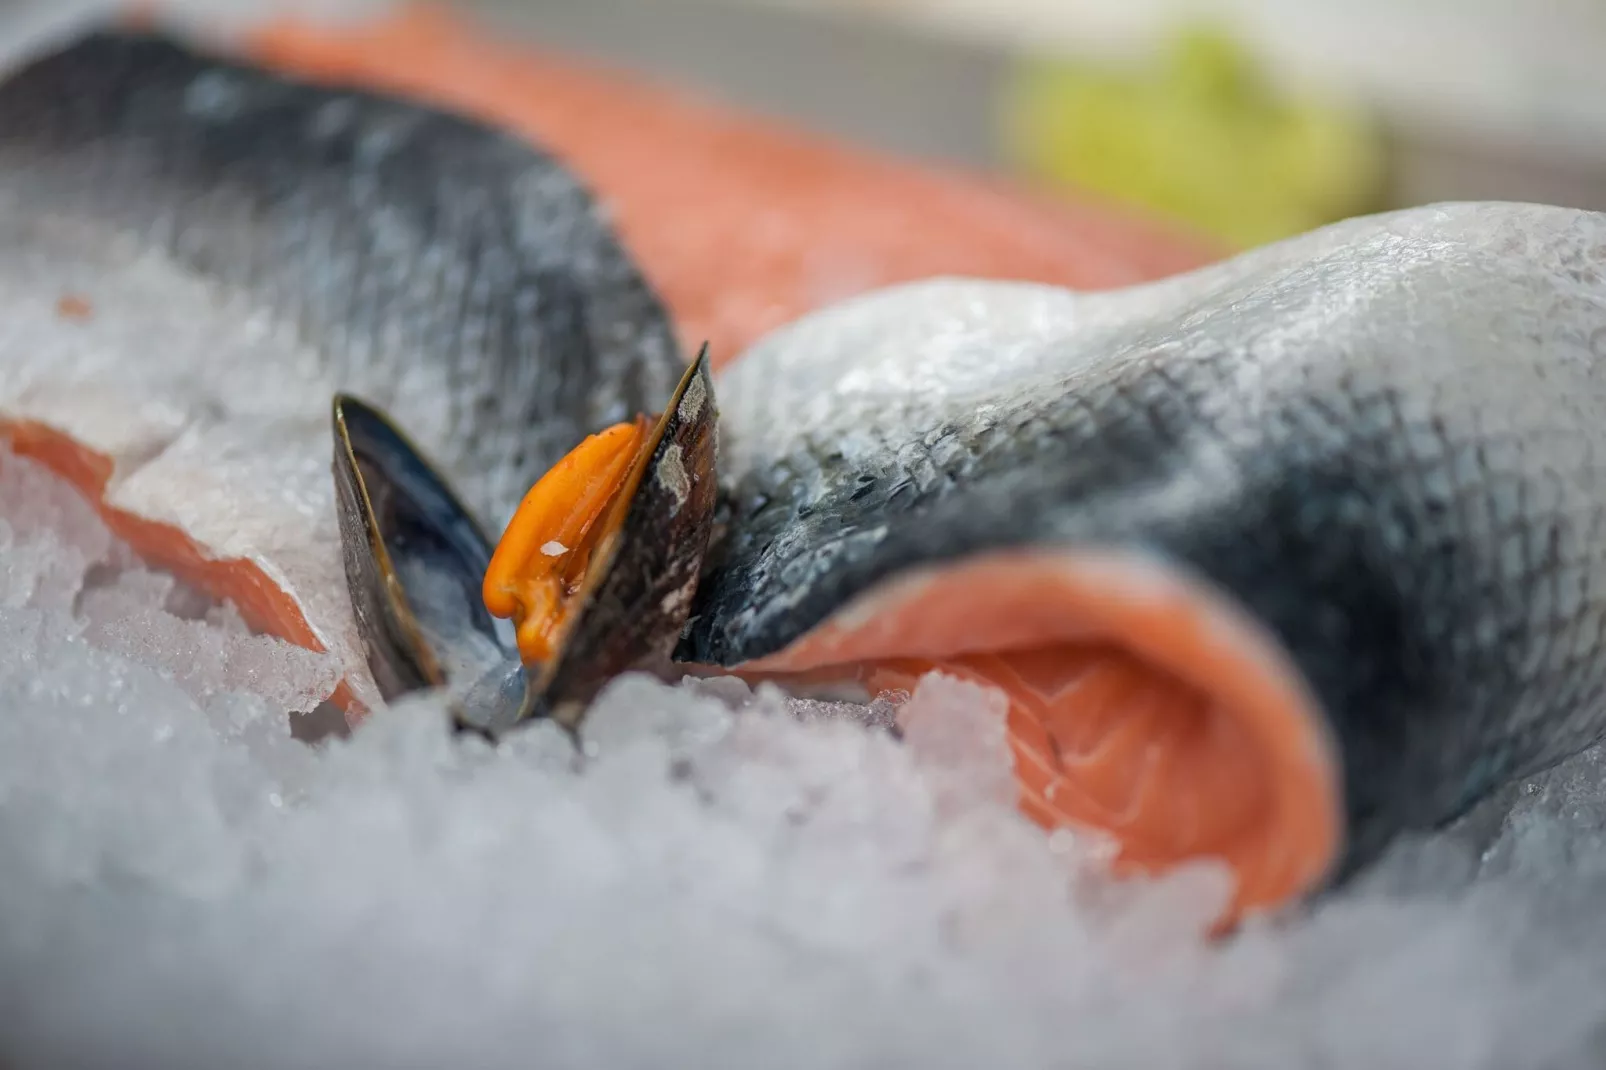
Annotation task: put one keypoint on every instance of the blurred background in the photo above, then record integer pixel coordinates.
(1246, 119)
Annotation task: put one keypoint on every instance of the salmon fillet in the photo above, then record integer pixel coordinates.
(1278, 559)
(741, 224)
(252, 243)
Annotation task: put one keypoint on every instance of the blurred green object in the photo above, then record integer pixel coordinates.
(1202, 139)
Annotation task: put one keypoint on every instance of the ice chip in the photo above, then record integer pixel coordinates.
(34, 500)
(726, 867)
(1149, 918)
(733, 691)
(225, 616)
(881, 712)
(957, 731)
(287, 676)
(39, 567)
(543, 745)
(638, 710)
(50, 538)
(129, 614)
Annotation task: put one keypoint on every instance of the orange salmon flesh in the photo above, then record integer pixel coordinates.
(1140, 704)
(261, 602)
(740, 224)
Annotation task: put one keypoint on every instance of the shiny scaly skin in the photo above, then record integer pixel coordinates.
(389, 235)
(1380, 439)
(1386, 440)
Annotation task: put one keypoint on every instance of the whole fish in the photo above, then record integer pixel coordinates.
(1275, 560)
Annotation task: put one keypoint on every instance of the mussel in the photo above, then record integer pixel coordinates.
(597, 568)
(1275, 560)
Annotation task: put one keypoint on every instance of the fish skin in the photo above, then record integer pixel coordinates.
(786, 220)
(230, 270)
(1420, 539)
(389, 235)
(1384, 440)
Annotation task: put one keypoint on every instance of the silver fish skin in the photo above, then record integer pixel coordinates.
(454, 275)
(196, 256)
(1385, 440)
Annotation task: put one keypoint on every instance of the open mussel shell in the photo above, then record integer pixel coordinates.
(415, 562)
(637, 591)
(414, 558)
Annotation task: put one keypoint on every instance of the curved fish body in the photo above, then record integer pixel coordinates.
(741, 224)
(199, 254)
(1276, 559)
(451, 273)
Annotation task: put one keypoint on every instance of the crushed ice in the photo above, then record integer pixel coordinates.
(725, 877)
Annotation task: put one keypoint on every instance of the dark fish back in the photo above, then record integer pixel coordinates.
(384, 233)
(1391, 451)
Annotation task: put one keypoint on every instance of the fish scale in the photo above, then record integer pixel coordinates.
(1347, 433)
(408, 248)
(1374, 444)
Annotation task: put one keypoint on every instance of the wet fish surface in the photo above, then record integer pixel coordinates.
(1383, 440)
(741, 222)
(200, 254)
(451, 273)
(1321, 523)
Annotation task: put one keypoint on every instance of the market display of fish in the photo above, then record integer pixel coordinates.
(1275, 559)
